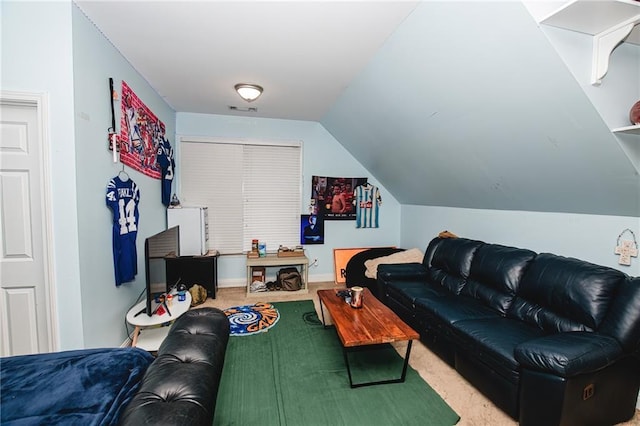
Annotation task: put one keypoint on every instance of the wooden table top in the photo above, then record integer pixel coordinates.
(372, 324)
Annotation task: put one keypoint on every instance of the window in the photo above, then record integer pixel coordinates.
(252, 190)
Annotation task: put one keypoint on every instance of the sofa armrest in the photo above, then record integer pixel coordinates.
(402, 271)
(181, 385)
(569, 354)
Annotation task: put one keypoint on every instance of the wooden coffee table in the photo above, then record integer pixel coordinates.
(373, 324)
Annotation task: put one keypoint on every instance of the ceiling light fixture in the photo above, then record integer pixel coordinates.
(248, 92)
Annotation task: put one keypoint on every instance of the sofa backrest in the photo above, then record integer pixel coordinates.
(495, 275)
(430, 251)
(623, 319)
(564, 294)
(451, 261)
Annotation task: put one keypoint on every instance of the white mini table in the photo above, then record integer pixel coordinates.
(151, 338)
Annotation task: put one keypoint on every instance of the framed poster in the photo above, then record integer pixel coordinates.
(341, 257)
(332, 197)
(311, 229)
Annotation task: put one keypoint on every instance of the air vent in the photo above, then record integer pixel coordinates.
(248, 109)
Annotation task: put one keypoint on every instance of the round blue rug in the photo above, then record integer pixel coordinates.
(251, 319)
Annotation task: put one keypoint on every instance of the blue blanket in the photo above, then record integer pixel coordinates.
(83, 387)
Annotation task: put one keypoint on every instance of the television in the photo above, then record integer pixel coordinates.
(158, 248)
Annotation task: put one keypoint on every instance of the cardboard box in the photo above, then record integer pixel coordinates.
(258, 273)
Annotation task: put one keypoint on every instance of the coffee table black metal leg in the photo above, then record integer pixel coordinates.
(322, 314)
(346, 351)
(346, 361)
(406, 361)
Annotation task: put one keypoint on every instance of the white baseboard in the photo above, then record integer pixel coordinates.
(232, 282)
(321, 278)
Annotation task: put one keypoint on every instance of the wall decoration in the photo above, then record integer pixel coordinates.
(141, 133)
(341, 257)
(626, 248)
(332, 197)
(367, 203)
(123, 198)
(311, 229)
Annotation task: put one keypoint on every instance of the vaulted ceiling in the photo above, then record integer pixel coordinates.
(462, 104)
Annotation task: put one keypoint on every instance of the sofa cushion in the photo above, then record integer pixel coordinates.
(561, 294)
(451, 262)
(569, 354)
(623, 319)
(449, 309)
(493, 341)
(406, 292)
(495, 275)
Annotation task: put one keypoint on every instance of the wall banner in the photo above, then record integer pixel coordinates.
(141, 134)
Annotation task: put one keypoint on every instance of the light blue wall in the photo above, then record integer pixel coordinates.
(323, 156)
(95, 60)
(37, 57)
(51, 48)
(587, 237)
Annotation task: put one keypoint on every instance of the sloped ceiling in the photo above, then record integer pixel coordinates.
(304, 53)
(468, 105)
(460, 104)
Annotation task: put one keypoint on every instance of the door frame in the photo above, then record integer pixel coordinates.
(40, 101)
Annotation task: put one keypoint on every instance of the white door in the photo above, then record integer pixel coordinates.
(25, 308)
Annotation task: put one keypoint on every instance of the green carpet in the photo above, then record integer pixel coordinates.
(294, 374)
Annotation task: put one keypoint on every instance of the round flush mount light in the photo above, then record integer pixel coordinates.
(248, 92)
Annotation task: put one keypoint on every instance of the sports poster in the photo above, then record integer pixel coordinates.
(141, 133)
(332, 197)
(311, 229)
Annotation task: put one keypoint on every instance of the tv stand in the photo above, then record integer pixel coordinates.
(190, 270)
(148, 333)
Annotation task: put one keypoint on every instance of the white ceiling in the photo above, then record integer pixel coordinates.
(304, 53)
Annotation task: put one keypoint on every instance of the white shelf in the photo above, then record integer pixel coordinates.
(632, 130)
(149, 333)
(594, 17)
(609, 22)
(150, 339)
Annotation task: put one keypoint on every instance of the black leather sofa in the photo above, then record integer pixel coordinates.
(550, 340)
(180, 387)
(128, 386)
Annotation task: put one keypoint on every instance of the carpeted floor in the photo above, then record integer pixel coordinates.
(473, 407)
(294, 374)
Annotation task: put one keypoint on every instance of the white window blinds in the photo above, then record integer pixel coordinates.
(252, 190)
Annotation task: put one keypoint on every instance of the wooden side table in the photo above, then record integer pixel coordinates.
(271, 260)
(147, 335)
